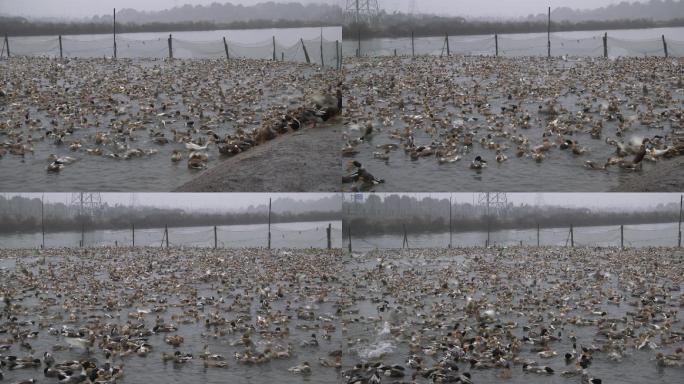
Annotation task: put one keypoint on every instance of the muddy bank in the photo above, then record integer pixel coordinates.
(303, 161)
(668, 176)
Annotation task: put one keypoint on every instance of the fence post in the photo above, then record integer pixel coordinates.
(572, 237)
(42, 221)
(337, 54)
(215, 238)
(405, 241)
(413, 46)
(679, 241)
(622, 236)
(274, 49)
(306, 53)
(605, 46)
(133, 233)
(350, 237)
(328, 231)
(322, 61)
(395, 52)
(7, 45)
(447, 43)
(496, 44)
(548, 33)
(115, 33)
(282, 56)
(664, 47)
(451, 231)
(358, 51)
(269, 223)
(537, 234)
(170, 48)
(82, 233)
(60, 47)
(166, 234)
(225, 46)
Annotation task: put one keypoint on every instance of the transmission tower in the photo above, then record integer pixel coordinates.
(361, 11)
(86, 204)
(493, 203)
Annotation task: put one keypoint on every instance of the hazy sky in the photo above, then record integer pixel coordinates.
(88, 8)
(632, 201)
(478, 8)
(190, 201)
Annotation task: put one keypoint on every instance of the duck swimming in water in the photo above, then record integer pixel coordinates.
(478, 163)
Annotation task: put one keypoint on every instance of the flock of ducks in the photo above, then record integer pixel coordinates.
(521, 314)
(236, 310)
(194, 110)
(500, 110)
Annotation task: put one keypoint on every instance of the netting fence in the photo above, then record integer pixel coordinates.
(667, 234)
(515, 45)
(315, 51)
(281, 235)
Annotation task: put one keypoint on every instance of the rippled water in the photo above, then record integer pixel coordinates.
(560, 170)
(431, 268)
(151, 369)
(283, 235)
(645, 235)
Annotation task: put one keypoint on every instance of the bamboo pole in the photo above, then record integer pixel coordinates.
(60, 48)
(664, 47)
(413, 46)
(115, 33)
(306, 53)
(215, 238)
(7, 45)
(269, 223)
(328, 232)
(170, 47)
(679, 241)
(605, 46)
(496, 44)
(446, 38)
(225, 46)
(274, 49)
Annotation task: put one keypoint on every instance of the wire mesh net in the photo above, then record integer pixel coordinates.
(513, 45)
(320, 51)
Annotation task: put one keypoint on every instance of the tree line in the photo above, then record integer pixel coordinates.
(389, 216)
(23, 215)
(19, 26)
(401, 25)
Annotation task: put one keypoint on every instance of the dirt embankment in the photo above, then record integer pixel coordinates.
(304, 161)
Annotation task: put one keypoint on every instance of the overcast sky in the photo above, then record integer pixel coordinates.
(630, 201)
(190, 201)
(478, 8)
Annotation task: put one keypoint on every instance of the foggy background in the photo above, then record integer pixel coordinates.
(208, 202)
(595, 201)
(467, 8)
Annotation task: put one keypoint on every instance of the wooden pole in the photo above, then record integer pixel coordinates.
(548, 33)
(537, 234)
(60, 47)
(358, 51)
(170, 47)
(322, 62)
(664, 47)
(215, 238)
(115, 33)
(488, 229)
(82, 232)
(681, 200)
(7, 45)
(42, 221)
(328, 232)
(405, 241)
(337, 54)
(166, 234)
(225, 46)
(274, 49)
(496, 44)
(622, 236)
(413, 46)
(282, 56)
(350, 237)
(451, 232)
(269, 223)
(446, 38)
(306, 53)
(605, 46)
(572, 237)
(133, 233)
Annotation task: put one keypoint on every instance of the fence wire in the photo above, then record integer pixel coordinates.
(320, 51)
(513, 45)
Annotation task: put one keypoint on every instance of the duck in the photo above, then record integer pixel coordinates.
(540, 369)
(195, 147)
(175, 340)
(176, 156)
(590, 164)
(500, 157)
(478, 163)
(362, 175)
(303, 368)
(48, 359)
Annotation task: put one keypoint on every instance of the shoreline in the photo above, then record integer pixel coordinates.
(294, 162)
